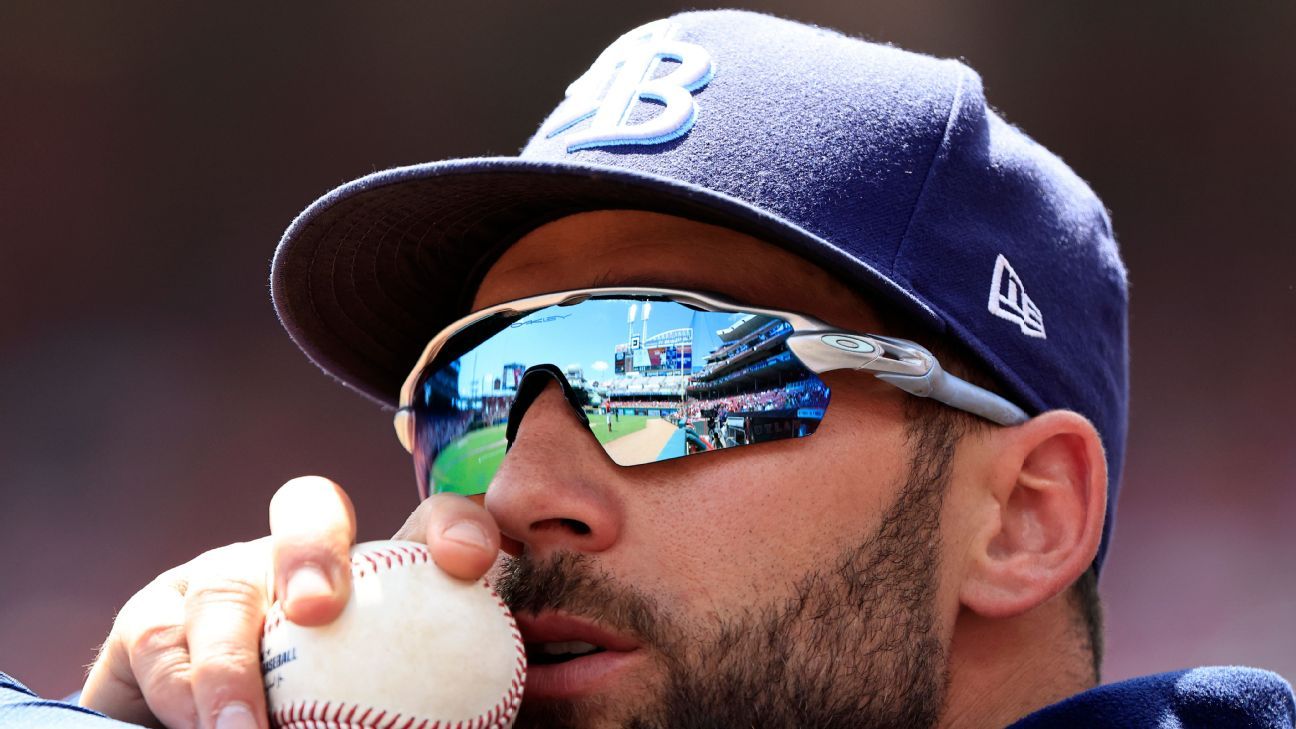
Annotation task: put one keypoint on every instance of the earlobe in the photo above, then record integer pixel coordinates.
(1049, 485)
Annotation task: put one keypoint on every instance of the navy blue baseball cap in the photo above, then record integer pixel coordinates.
(885, 167)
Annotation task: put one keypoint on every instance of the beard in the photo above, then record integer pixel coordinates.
(854, 645)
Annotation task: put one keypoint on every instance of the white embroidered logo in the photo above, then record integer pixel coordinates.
(1008, 300)
(623, 76)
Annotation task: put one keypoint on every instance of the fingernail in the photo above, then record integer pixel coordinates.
(468, 534)
(307, 582)
(235, 716)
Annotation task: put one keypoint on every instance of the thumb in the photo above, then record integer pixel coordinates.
(461, 535)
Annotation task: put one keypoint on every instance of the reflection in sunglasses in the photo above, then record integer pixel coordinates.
(657, 380)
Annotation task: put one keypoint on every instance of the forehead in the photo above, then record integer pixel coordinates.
(636, 248)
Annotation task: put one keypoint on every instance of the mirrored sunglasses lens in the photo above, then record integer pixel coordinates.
(656, 380)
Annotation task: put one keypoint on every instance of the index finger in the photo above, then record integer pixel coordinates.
(312, 527)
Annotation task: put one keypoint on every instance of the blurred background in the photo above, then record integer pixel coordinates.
(152, 152)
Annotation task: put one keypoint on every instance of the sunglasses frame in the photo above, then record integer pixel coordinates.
(821, 347)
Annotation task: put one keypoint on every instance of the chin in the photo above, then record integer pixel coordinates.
(585, 713)
(614, 703)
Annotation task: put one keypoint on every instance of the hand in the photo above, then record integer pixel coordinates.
(184, 652)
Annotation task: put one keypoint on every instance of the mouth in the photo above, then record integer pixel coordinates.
(551, 654)
(569, 657)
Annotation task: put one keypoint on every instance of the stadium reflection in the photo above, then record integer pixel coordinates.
(656, 380)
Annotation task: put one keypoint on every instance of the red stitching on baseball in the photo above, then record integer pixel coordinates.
(273, 618)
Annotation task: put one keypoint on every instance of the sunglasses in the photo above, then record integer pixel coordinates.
(655, 373)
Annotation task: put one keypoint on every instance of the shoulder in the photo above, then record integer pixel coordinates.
(1223, 696)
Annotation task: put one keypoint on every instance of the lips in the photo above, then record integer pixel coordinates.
(569, 657)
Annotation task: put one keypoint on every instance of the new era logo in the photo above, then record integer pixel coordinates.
(1008, 300)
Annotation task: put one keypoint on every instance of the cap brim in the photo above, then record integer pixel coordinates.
(370, 272)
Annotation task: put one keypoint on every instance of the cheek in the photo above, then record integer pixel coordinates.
(732, 529)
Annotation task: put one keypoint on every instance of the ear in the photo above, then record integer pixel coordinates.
(1048, 484)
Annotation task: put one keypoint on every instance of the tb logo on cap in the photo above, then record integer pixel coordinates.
(621, 78)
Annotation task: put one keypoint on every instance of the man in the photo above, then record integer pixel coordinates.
(926, 556)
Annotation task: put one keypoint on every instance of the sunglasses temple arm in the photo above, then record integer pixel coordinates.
(959, 393)
(908, 366)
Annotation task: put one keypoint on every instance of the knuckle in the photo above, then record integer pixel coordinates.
(167, 675)
(226, 592)
(155, 643)
(225, 662)
(169, 584)
(415, 525)
(148, 622)
(175, 580)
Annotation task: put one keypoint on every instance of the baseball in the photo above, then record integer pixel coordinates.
(414, 647)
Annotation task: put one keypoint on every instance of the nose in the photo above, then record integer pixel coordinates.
(554, 491)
